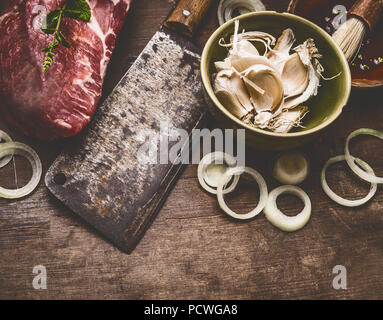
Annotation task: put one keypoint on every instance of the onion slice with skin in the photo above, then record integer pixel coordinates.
(280, 220)
(227, 7)
(4, 137)
(17, 148)
(333, 196)
(209, 164)
(369, 177)
(237, 171)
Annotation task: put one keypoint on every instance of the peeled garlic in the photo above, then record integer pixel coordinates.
(267, 79)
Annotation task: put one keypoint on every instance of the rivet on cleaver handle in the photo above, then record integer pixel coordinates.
(187, 16)
(99, 175)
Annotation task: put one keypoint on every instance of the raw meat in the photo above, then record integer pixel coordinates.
(62, 101)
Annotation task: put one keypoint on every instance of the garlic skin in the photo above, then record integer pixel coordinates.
(262, 119)
(288, 119)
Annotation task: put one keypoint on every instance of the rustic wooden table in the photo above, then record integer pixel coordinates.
(192, 250)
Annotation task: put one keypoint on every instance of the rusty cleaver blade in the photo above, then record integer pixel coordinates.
(99, 175)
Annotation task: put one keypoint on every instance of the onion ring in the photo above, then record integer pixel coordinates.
(27, 152)
(237, 171)
(5, 160)
(369, 177)
(280, 220)
(209, 183)
(227, 7)
(333, 196)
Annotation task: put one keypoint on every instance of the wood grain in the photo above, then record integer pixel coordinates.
(193, 250)
(187, 16)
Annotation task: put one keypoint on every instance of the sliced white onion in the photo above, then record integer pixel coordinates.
(212, 167)
(4, 137)
(227, 7)
(280, 220)
(237, 171)
(11, 148)
(370, 177)
(291, 168)
(333, 196)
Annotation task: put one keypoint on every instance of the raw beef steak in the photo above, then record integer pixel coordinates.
(62, 101)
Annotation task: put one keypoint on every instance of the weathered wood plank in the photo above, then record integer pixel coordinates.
(192, 250)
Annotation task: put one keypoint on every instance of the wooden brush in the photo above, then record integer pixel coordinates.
(363, 17)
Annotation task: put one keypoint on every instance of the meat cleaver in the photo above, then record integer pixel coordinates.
(99, 175)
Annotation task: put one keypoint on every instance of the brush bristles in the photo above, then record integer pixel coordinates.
(350, 37)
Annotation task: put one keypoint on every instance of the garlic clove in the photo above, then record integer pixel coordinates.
(232, 93)
(311, 90)
(241, 63)
(230, 102)
(308, 54)
(244, 48)
(295, 76)
(281, 52)
(265, 78)
(241, 92)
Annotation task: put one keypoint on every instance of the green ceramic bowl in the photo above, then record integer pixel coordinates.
(324, 108)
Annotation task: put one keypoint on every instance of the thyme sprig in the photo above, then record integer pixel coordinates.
(74, 9)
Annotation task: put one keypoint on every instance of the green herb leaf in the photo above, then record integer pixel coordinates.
(62, 40)
(78, 9)
(74, 9)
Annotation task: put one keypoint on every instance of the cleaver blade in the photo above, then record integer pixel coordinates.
(100, 175)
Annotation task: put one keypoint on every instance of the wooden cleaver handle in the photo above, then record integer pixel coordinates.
(187, 16)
